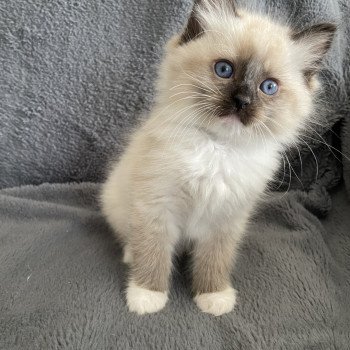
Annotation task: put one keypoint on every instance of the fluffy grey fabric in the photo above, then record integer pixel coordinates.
(75, 75)
(62, 280)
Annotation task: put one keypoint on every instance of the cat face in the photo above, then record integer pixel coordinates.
(234, 73)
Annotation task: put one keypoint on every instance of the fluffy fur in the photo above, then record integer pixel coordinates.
(196, 168)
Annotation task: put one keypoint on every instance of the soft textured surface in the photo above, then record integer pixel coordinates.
(62, 280)
(75, 75)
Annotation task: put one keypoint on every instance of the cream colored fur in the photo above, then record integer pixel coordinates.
(188, 175)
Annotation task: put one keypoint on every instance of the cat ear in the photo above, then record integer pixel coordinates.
(314, 43)
(195, 26)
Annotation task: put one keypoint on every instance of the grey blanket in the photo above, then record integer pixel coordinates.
(62, 279)
(76, 75)
(74, 78)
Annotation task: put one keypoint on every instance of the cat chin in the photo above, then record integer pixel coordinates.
(233, 131)
(229, 126)
(232, 125)
(231, 120)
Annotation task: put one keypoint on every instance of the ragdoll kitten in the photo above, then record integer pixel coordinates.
(234, 90)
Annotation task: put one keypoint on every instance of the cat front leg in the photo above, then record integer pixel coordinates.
(151, 247)
(213, 258)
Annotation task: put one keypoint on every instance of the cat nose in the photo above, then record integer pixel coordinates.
(241, 102)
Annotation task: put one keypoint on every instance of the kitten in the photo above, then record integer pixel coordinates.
(234, 91)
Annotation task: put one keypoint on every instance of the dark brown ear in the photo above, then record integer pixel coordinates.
(316, 41)
(194, 27)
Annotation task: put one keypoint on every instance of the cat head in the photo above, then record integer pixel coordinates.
(235, 73)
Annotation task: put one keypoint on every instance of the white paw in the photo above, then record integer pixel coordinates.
(127, 256)
(217, 303)
(144, 301)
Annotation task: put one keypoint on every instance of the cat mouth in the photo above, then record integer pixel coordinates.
(231, 118)
(236, 118)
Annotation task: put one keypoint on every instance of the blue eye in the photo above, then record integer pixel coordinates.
(269, 87)
(223, 69)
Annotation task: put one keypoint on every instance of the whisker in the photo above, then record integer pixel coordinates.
(159, 114)
(314, 155)
(183, 122)
(270, 132)
(284, 173)
(316, 162)
(329, 146)
(199, 87)
(290, 177)
(202, 83)
(194, 94)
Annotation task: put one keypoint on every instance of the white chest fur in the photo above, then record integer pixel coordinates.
(224, 182)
